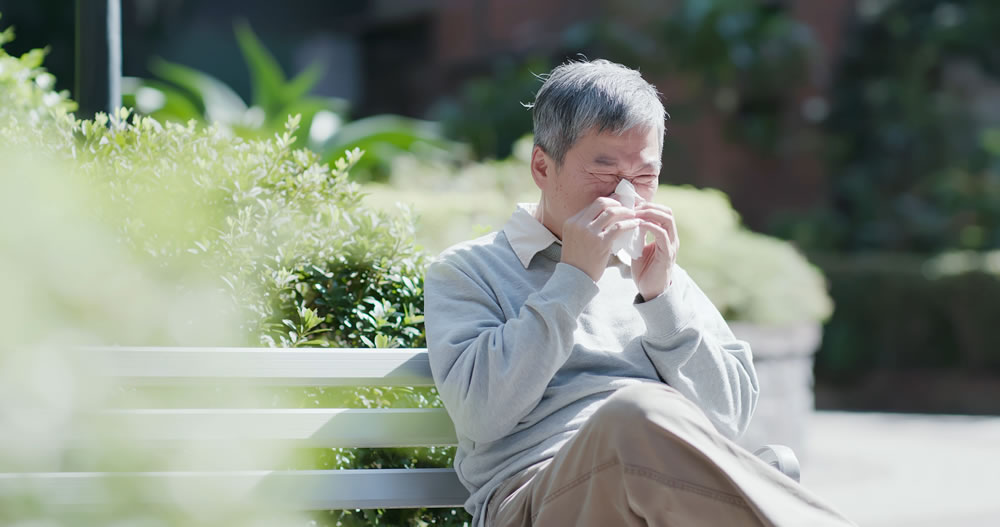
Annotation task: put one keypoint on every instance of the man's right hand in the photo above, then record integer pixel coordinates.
(588, 235)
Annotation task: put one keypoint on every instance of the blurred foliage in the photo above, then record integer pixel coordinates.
(489, 113)
(899, 312)
(123, 230)
(182, 94)
(771, 284)
(914, 131)
(65, 280)
(749, 276)
(743, 59)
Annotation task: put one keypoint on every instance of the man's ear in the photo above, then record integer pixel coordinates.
(542, 167)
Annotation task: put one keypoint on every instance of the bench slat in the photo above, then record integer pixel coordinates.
(253, 367)
(149, 366)
(293, 490)
(328, 427)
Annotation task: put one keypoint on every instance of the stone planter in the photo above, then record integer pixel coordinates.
(783, 357)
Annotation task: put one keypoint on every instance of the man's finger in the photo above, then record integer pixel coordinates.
(662, 218)
(655, 206)
(660, 236)
(610, 216)
(592, 211)
(656, 215)
(657, 231)
(614, 228)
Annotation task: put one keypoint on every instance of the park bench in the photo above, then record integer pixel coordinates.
(332, 427)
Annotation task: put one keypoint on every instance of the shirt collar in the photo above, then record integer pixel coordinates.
(528, 237)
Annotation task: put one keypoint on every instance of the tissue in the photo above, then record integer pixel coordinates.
(629, 240)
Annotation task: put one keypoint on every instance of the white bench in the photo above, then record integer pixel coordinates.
(325, 428)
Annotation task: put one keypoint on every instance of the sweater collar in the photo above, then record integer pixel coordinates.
(528, 237)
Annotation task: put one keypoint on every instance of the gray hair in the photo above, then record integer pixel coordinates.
(579, 96)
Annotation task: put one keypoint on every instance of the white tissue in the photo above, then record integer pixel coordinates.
(630, 241)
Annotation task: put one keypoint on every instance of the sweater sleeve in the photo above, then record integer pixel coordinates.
(490, 371)
(694, 351)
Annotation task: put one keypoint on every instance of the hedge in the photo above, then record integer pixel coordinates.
(899, 312)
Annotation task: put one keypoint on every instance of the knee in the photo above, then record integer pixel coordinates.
(647, 410)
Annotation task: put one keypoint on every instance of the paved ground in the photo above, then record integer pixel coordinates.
(894, 470)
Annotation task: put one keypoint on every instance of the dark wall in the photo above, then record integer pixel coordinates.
(42, 23)
(200, 35)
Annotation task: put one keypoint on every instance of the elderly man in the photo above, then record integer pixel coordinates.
(588, 386)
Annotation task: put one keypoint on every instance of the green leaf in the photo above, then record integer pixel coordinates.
(396, 130)
(221, 104)
(383, 137)
(178, 105)
(34, 58)
(308, 107)
(310, 318)
(302, 84)
(6, 35)
(267, 79)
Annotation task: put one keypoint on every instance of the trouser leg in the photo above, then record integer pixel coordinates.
(650, 457)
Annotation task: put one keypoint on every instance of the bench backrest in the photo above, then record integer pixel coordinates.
(328, 427)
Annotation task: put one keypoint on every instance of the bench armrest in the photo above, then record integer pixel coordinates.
(782, 458)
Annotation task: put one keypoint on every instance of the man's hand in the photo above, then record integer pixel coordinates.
(588, 235)
(652, 271)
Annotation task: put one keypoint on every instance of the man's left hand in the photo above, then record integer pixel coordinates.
(652, 272)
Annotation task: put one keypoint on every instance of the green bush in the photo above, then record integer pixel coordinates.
(134, 232)
(749, 276)
(288, 237)
(898, 312)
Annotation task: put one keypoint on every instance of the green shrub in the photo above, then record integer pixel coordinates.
(906, 311)
(129, 231)
(288, 237)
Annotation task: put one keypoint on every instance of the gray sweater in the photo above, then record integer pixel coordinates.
(522, 356)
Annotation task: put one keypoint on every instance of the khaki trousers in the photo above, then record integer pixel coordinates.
(649, 456)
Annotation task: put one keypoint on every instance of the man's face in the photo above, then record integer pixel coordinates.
(593, 167)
